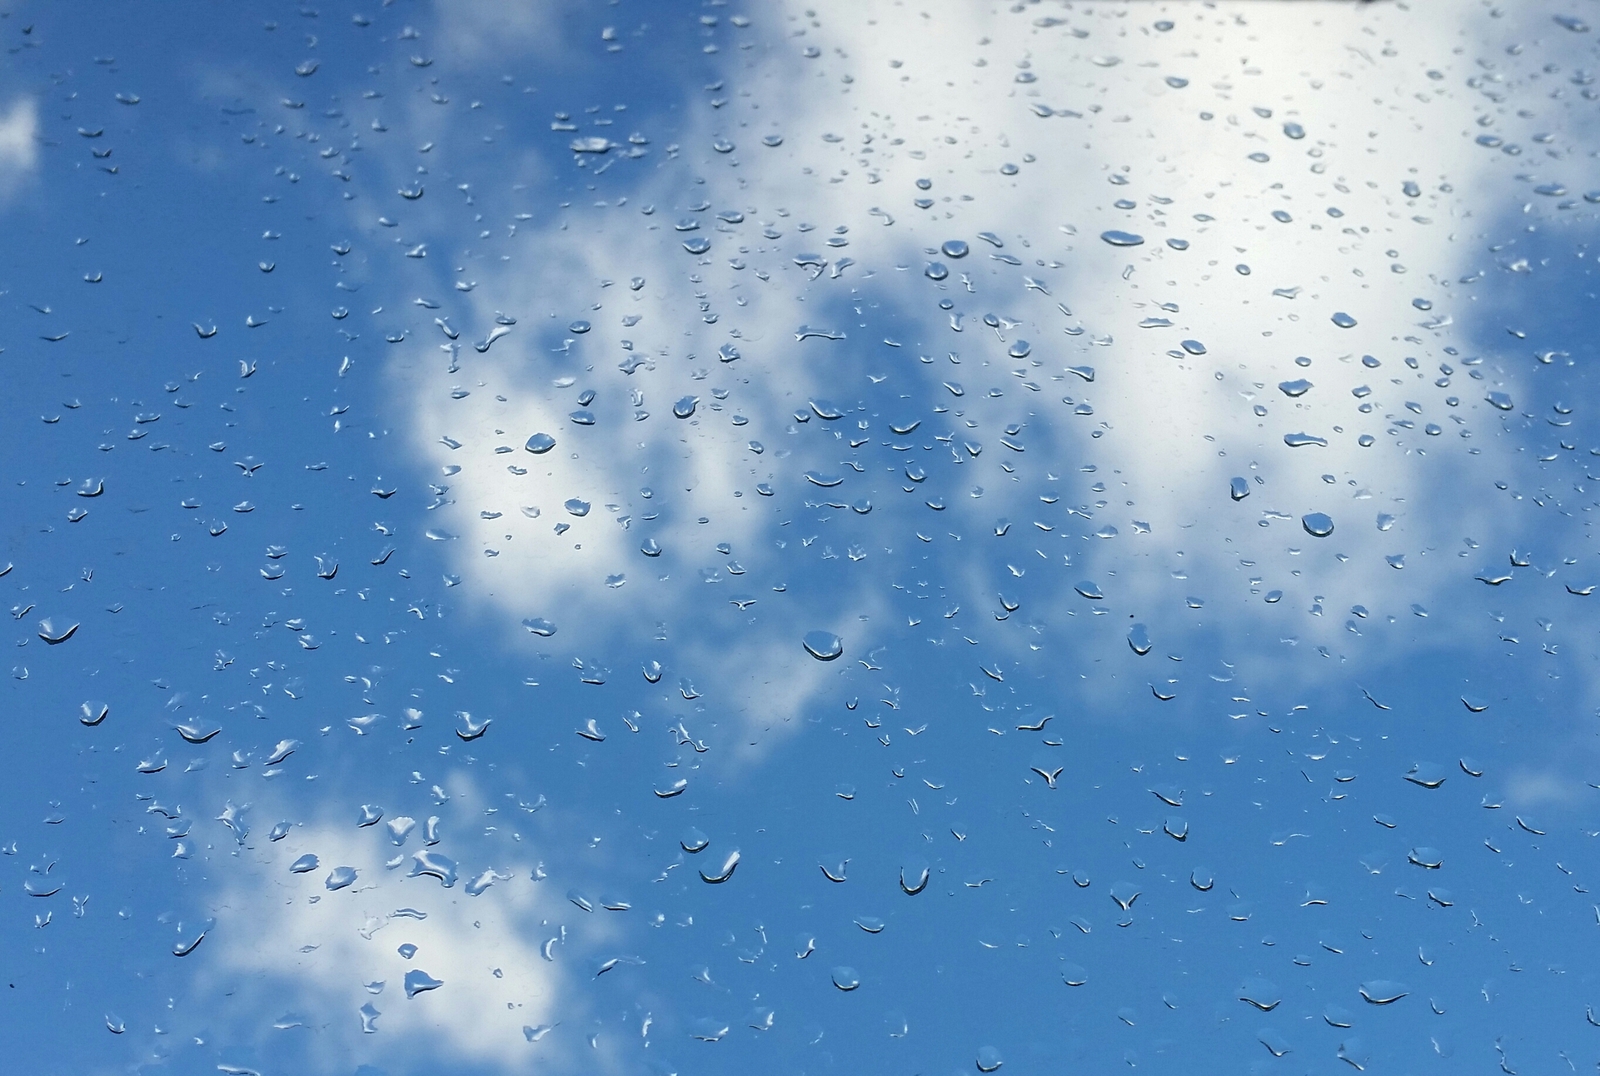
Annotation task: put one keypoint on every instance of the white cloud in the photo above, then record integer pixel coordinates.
(1160, 411)
(313, 951)
(19, 144)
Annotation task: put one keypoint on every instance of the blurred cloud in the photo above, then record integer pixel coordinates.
(19, 144)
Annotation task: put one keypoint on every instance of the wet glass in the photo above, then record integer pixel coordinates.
(750, 537)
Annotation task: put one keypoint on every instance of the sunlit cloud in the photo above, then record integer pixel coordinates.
(1172, 432)
(327, 954)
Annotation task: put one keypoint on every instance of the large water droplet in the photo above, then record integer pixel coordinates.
(418, 981)
(340, 877)
(1383, 991)
(823, 645)
(719, 874)
(1317, 524)
(1139, 639)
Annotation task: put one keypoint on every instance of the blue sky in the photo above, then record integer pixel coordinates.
(815, 306)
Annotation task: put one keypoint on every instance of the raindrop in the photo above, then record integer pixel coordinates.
(1382, 991)
(720, 874)
(418, 981)
(340, 877)
(1317, 524)
(823, 645)
(1260, 993)
(1139, 639)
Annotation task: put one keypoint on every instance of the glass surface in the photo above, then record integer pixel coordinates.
(751, 537)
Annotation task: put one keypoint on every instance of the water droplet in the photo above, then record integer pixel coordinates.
(914, 877)
(1260, 993)
(1382, 991)
(1427, 774)
(418, 981)
(823, 645)
(340, 877)
(1122, 239)
(433, 865)
(845, 978)
(1139, 639)
(953, 248)
(1317, 524)
(719, 874)
(1430, 858)
(1343, 320)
